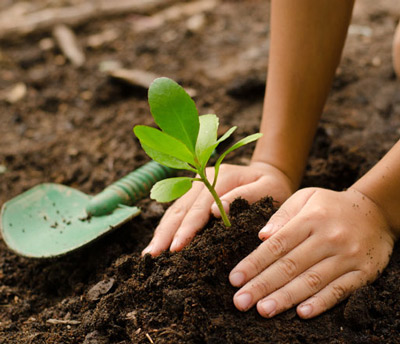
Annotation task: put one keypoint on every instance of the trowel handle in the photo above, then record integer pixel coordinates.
(129, 189)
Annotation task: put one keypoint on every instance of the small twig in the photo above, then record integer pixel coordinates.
(174, 13)
(149, 338)
(68, 44)
(170, 331)
(63, 322)
(44, 19)
(134, 77)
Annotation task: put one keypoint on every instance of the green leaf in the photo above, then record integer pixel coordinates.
(226, 135)
(162, 142)
(207, 137)
(208, 152)
(237, 145)
(170, 189)
(174, 111)
(166, 159)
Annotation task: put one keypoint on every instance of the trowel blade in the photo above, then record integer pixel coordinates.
(50, 220)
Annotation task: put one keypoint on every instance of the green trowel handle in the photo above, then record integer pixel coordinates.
(129, 189)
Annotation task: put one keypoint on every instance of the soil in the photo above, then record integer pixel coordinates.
(74, 126)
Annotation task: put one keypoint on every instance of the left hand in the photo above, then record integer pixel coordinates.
(318, 248)
(191, 212)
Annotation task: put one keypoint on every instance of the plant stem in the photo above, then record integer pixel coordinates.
(210, 188)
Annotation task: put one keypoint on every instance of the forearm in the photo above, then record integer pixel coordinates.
(382, 185)
(307, 38)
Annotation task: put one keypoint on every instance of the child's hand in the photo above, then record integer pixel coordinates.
(318, 247)
(192, 211)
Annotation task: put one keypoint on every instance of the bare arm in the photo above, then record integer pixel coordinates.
(382, 185)
(307, 38)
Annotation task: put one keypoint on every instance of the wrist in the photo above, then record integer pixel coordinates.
(291, 172)
(379, 209)
(282, 176)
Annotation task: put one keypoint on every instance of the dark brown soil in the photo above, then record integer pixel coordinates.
(74, 126)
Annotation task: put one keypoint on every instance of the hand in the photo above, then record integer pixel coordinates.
(318, 248)
(191, 212)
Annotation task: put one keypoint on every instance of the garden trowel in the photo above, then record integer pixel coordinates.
(52, 219)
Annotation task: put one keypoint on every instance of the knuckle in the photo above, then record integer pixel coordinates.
(177, 210)
(276, 245)
(241, 179)
(161, 229)
(198, 207)
(288, 298)
(261, 286)
(321, 302)
(318, 212)
(288, 267)
(281, 214)
(339, 292)
(337, 236)
(313, 280)
(354, 249)
(255, 263)
(158, 230)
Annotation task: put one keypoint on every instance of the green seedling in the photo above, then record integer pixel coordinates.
(186, 141)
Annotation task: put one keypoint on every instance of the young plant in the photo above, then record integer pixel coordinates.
(186, 141)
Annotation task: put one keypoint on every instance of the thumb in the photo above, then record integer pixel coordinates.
(249, 192)
(286, 212)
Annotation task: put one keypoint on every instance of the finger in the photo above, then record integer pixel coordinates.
(197, 216)
(268, 252)
(279, 274)
(195, 219)
(287, 211)
(333, 293)
(171, 221)
(251, 192)
(302, 287)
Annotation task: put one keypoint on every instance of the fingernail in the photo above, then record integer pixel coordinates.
(305, 310)
(237, 279)
(147, 250)
(174, 245)
(243, 301)
(267, 230)
(215, 210)
(269, 307)
(225, 205)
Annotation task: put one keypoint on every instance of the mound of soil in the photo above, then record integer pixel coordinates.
(185, 297)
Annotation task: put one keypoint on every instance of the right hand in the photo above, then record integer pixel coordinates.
(318, 248)
(191, 212)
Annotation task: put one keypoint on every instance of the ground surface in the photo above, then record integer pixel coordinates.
(74, 126)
